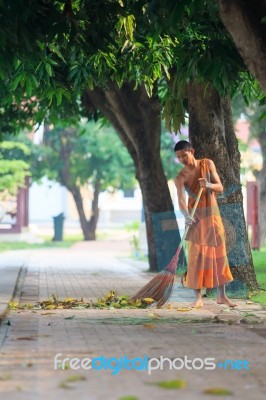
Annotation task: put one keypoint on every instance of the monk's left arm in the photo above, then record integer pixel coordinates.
(215, 183)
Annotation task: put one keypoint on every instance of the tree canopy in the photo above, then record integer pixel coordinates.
(88, 153)
(54, 50)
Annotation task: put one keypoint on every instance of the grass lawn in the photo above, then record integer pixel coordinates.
(259, 258)
(68, 241)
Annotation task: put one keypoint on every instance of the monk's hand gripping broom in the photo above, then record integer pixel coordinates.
(161, 286)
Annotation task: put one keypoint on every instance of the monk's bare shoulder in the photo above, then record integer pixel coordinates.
(180, 178)
(211, 164)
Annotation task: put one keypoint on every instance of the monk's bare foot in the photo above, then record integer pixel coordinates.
(183, 279)
(226, 301)
(197, 303)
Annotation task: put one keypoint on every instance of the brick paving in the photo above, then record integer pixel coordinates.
(30, 339)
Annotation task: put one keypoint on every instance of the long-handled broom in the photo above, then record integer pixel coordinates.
(161, 286)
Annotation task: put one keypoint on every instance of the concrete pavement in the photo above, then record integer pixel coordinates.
(10, 269)
(31, 339)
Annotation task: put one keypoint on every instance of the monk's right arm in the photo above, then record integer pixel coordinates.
(182, 199)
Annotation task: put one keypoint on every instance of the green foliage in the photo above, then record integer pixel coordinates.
(132, 226)
(86, 154)
(259, 262)
(171, 168)
(260, 269)
(53, 51)
(13, 167)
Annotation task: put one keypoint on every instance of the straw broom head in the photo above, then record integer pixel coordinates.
(161, 286)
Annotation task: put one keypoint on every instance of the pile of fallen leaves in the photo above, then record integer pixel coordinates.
(110, 301)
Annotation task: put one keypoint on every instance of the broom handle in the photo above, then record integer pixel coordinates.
(188, 226)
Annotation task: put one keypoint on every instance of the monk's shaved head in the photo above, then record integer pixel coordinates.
(182, 145)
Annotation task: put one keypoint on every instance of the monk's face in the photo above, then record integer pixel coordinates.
(186, 157)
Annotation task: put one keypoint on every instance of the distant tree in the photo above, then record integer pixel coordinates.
(13, 165)
(80, 156)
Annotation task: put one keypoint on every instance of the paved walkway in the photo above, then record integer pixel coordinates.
(30, 339)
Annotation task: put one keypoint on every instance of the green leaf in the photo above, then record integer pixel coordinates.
(75, 378)
(130, 26)
(40, 44)
(128, 398)
(48, 69)
(262, 116)
(174, 384)
(16, 81)
(90, 83)
(72, 317)
(218, 392)
(28, 87)
(72, 378)
(56, 50)
(58, 95)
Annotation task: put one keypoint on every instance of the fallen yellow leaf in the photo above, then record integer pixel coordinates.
(149, 326)
(170, 307)
(13, 305)
(47, 313)
(50, 307)
(69, 300)
(218, 392)
(148, 300)
(183, 309)
(153, 315)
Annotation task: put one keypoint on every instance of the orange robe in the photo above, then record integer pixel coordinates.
(207, 259)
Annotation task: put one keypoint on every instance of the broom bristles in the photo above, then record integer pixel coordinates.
(159, 288)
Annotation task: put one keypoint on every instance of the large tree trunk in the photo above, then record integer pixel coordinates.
(136, 118)
(212, 135)
(244, 21)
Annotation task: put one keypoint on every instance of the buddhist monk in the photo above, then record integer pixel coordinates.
(207, 259)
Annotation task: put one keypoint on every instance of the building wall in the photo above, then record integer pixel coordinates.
(46, 201)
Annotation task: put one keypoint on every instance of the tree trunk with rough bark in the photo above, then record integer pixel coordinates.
(88, 226)
(244, 21)
(212, 135)
(136, 119)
